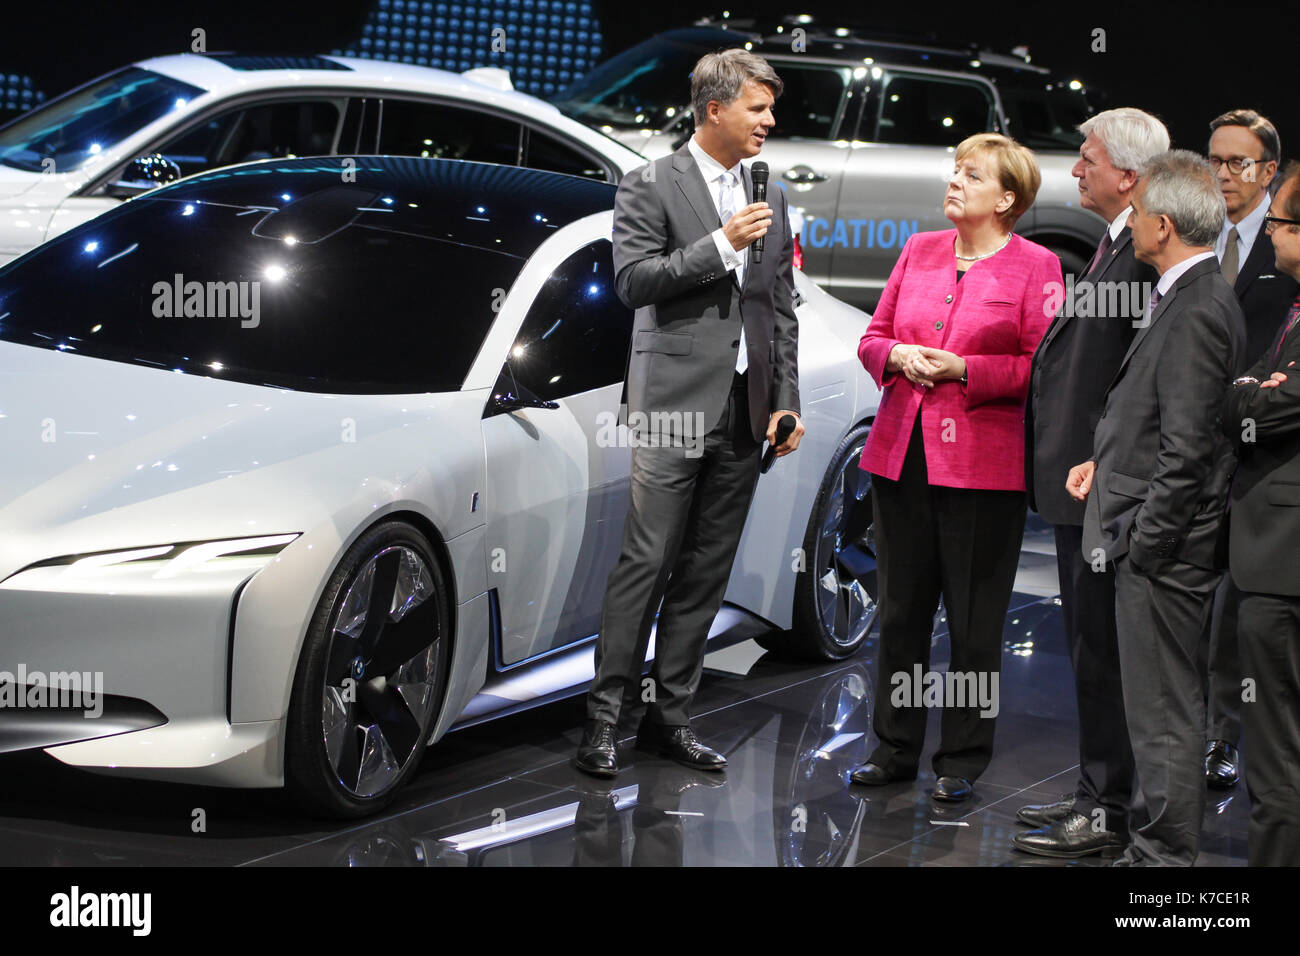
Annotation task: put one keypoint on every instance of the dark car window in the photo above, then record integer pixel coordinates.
(918, 110)
(86, 122)
(341, 289)
(547, 152)
(577, 333)
(811, 101)
(439, 131)
(264, 131)
(1045, 119)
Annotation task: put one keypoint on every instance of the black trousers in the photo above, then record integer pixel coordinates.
(684, 523)
(1223, 666)
(963, 544)
(1270, 655)
(1161, 624)
(1105, 756)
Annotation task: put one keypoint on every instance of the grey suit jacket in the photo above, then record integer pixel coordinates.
(689, 309)
(1163, 464)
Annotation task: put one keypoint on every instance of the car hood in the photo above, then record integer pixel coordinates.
(102, 455)
(15, 182)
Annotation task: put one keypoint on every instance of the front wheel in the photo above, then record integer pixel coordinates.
(835, 593)
(372, 675)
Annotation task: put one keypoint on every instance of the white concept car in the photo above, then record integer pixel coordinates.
(309, 464)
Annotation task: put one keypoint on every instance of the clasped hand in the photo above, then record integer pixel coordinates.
(925, 366)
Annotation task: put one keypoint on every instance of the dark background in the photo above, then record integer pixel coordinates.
(1185, 62)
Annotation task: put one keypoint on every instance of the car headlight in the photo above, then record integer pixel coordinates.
(171, 560)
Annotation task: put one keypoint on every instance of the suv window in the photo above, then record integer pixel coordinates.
(441, 131)
(577, 333)
(920, 110)
(265, 131)
(811, 102)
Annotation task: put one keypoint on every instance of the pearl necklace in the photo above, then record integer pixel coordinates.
(986, 255)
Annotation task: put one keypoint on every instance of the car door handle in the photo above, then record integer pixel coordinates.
(804, 174)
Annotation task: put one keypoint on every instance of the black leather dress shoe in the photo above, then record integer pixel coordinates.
(874, 775)
(680, 744)
(1221, 765)
(952, 789)
(1045, 814)
(597, 754)
(1069, 838)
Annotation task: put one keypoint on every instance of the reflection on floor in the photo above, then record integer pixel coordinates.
(503, 793)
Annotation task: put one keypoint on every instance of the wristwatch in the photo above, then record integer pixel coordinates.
(1245, 380)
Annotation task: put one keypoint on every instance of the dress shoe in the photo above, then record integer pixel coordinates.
(952, 789)
(1221, 765)
(679, 743)
(874, 775)
(596, 754)
(1069, 838)
(1045, 814)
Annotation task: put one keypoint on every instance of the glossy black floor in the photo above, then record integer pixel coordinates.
(503, 793)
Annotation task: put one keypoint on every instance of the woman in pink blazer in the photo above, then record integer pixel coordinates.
(950, 345)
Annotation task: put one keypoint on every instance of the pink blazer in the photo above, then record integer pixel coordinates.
(993, 318)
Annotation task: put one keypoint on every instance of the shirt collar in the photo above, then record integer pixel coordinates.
(1174, 272)
(1119, 222)
(1248, 228)
(710, 168)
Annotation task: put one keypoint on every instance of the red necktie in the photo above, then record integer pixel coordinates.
(1102, 249)
(1292, 317)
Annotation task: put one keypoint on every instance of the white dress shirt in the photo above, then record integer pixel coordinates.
(1119, 222)
(1247, 231)
(713, 172)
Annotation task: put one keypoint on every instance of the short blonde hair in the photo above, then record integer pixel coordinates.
(1016, 167)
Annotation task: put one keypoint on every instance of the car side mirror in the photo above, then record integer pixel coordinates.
(141, 175)
(509, 396)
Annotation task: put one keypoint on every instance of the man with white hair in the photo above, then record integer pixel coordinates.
(1075, 361)
(1156, 489)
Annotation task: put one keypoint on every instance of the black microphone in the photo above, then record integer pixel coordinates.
(783, 429)
(759, 172)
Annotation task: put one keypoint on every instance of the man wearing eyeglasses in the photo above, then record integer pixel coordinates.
(1244, 151)
(1261, 414)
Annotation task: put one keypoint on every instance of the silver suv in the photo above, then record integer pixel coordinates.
(865, 134)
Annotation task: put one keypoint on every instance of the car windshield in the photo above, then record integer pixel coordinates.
(77, 127)
(286, 277)
(644, 87)
(1045, 118)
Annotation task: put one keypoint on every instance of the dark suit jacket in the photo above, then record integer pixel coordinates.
(1266, 295)
(1075, 362)
(1265, 533)
(688, 307)
(1163, 462)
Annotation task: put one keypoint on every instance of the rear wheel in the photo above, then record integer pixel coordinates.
(835, 594)
(372, 675)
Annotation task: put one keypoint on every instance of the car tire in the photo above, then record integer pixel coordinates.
(835, 595)
(1071, 262)
(372, 675)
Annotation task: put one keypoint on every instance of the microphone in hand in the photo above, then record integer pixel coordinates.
(784, 426)
(758, 172)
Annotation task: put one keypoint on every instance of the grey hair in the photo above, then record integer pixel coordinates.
(1131, 136)
(1181, 184)
(720, 76)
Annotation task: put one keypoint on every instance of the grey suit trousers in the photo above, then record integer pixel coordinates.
(684, 523)
(1160, 620)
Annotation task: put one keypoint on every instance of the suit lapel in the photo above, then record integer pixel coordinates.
(1066, 313)
(1257, 263)
(691, 182)
(1166, 301)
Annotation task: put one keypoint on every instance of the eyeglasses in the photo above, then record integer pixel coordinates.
(1272, 222)
(1237, 165)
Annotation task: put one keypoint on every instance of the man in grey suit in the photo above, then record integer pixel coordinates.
(1156, 493)
(713, 368)
(1073, 365)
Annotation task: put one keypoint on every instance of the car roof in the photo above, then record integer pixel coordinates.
(504, 209)
(863, 44)
(225, 72)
